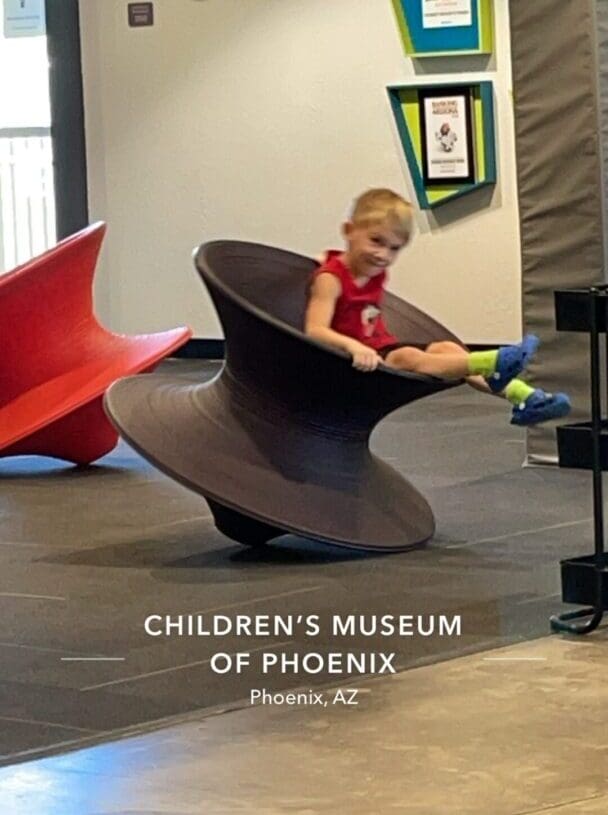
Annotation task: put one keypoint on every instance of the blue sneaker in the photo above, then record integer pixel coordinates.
(511, 361)
(541, 407)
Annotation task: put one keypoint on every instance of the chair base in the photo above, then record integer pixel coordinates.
(64, 416)
(241, 528)
(81, 437)
(264, 476)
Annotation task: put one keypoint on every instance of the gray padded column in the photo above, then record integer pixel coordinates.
(601, 14)
(560, 192)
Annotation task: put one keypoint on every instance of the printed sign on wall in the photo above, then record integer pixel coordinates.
(24, 18)
(432, 28)
(447, 13)
(447, 136)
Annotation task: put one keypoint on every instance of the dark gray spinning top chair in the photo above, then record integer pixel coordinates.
(278, 441)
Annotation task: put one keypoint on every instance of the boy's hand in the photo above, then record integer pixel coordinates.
(364, 358)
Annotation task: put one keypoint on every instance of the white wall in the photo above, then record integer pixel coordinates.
(261, 120)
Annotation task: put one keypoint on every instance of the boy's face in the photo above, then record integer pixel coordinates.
(371, 249)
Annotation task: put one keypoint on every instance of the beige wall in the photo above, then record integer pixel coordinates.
(260, 120)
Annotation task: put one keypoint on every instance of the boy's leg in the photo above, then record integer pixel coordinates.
(530, 405)
(476, 381)
(407, 358)
(449, 360)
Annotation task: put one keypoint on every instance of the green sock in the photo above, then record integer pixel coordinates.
(517, 391)
(483, 362)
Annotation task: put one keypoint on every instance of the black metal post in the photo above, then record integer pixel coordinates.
(563, 622)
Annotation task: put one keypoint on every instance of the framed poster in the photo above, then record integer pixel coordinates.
(446, 133)
(429, 145)
(431, 28)
(447, 13)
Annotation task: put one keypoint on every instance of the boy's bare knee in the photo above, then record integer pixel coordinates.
(405, 358)
(445, 347)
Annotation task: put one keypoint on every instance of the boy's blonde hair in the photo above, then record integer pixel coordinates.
(383, 206)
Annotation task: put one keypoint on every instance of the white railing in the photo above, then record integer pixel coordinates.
(27, 203)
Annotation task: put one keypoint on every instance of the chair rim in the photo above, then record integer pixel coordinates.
(201, 262)
(24, 268)
(146, 350)
(70, 404)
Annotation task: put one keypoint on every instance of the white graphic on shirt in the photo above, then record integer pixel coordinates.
(369, 318)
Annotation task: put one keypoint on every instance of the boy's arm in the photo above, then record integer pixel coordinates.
(324, 293)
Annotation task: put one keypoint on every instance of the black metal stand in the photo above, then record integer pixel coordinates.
(581, 445)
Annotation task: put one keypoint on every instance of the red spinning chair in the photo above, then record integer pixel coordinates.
(56, 360)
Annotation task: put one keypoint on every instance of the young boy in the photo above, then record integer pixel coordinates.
(344, 310)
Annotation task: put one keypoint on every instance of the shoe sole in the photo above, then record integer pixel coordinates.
(559, 413)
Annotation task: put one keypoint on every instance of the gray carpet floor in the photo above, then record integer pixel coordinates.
(87, 555)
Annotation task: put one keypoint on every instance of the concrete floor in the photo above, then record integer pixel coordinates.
(515, 731)
(86, 556)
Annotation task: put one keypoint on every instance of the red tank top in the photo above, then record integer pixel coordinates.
(357, 312)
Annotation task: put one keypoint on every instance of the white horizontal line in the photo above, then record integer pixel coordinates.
(48, 724)
(509, 535)
(258, 600)
(180, 522)
(33, 543)
(32, 596)
(176, 668)
(93, 659)
(36, 648)
(538, 599)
